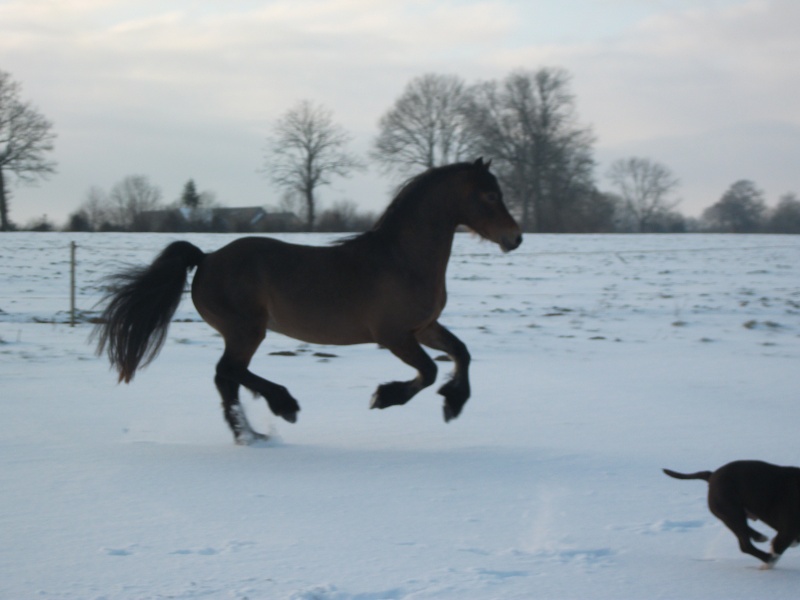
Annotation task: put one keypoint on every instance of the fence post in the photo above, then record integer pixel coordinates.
(72, 284)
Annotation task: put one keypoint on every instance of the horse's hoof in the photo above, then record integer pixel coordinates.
(452, 410)
(378, 400)
(374, 402)
(455, 397)
(251, 438)
(394, 393)
(291, 417)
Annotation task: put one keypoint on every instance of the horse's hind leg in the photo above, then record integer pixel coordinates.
(233, 367)
(399, 392)
(456, 391)
(234, 413)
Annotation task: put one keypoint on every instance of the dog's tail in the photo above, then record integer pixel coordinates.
(704, 475)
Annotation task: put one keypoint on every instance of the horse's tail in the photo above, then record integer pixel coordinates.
(704, 475)
(140, 306)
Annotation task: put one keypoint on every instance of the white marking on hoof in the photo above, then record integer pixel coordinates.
(246, 436)
(251, 438)
(768, 565)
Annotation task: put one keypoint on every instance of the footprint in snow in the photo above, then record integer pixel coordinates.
(496, 574)
(128, 551)
(200, 551)
(587, 556)
(330, 592)
(208, 551)
(662, 526)
(678, 526)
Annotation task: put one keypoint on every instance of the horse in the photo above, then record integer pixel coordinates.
(384, 286)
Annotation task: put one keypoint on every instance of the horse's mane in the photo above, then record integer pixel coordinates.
(411, 191)
(409, 195)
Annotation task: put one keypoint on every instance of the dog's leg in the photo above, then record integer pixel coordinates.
(736, 520)
(779, 544)
(757, 536)
(746, 546)
(770, 563)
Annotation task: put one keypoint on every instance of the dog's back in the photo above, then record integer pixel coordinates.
(754, 473)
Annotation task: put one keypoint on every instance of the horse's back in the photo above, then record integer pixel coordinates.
(314, 293)
(290, 265)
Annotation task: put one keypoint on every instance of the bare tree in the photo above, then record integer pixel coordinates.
(120, 210)
(292, 202)
(306, 151)
(740, 210)
(426, 127)
(25, 139)
(95, 210)
(785, 218)
(344, 216)
(130, 198)
(527, 124)
(645, 187)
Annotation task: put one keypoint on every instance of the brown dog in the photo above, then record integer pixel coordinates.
(752, 489)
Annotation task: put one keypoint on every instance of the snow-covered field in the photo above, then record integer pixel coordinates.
(597, 361)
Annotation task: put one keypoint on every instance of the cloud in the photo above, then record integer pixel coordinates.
(694, 70)
(249, 61)
(156, 87)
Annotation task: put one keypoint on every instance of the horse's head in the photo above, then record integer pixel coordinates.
(484, 210)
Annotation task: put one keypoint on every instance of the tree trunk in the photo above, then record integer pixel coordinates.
(4, 224)
(526, 215)
(310, 216)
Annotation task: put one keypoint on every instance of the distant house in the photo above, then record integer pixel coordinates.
(251, 219)
(164, 220)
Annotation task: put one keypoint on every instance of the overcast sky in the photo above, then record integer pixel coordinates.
(189, 89)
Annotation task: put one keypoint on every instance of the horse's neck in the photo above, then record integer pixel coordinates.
(422, 240)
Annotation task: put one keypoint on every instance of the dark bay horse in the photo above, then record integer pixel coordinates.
(385, 286)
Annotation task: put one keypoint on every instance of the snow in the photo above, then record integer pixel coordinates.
(597, 360)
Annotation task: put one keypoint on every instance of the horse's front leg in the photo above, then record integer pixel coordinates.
(399, 392)
(456, 391)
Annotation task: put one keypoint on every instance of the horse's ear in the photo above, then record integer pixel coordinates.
(483, 165)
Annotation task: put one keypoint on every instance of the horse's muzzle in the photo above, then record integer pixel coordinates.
(509, 243)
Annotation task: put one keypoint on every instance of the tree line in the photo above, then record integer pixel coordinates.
(134, 204)
(526, 122)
